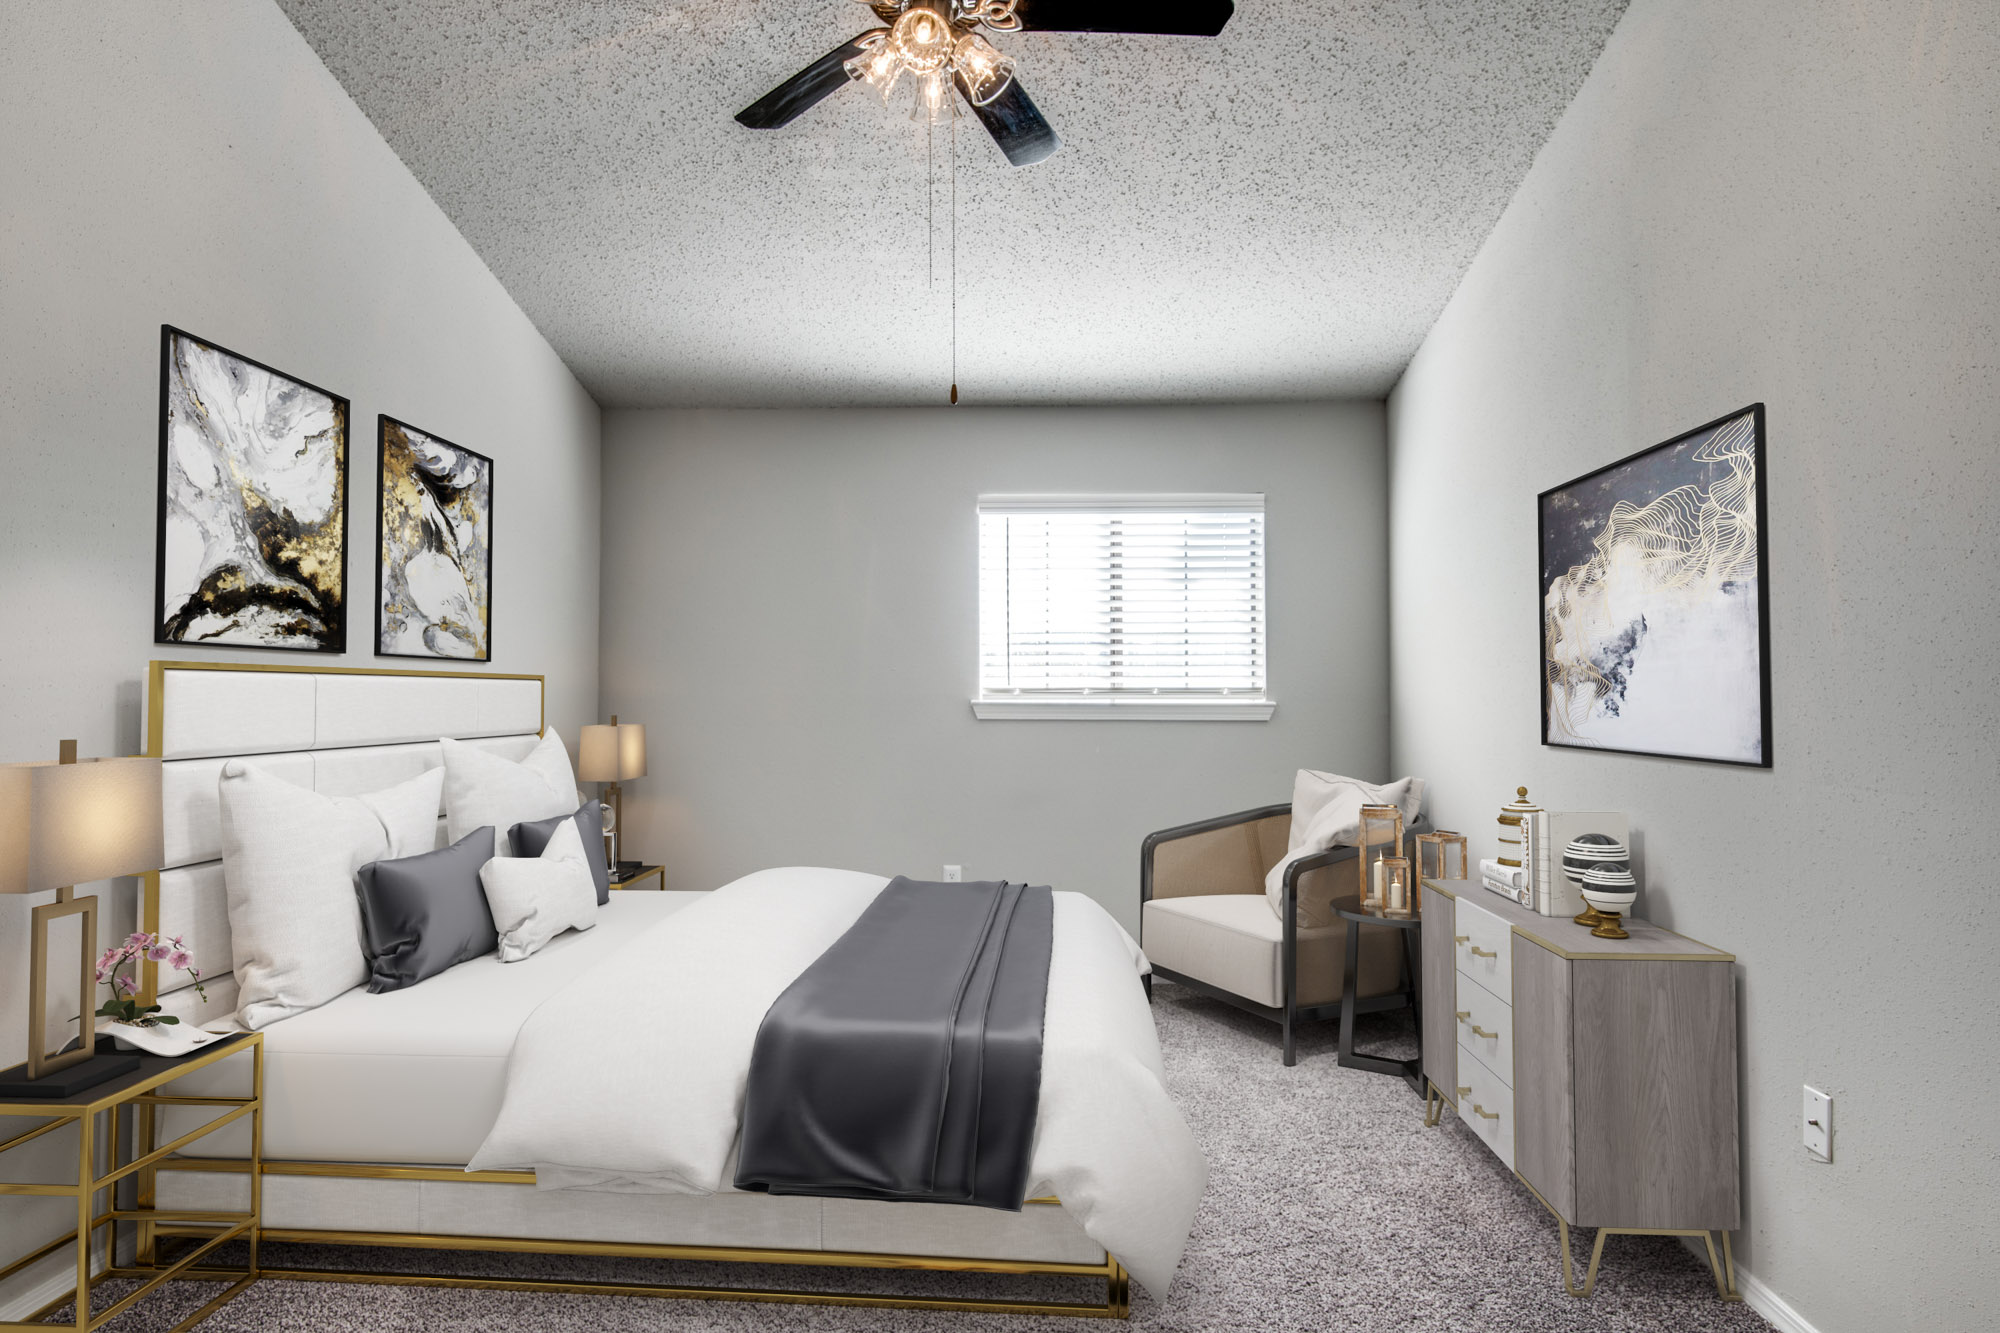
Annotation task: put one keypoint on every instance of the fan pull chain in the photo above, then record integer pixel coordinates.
(930, 196)
(954, 255)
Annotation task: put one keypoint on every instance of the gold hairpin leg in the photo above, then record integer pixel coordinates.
(1433, 1104)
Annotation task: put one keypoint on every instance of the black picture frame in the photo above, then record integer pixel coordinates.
(334, 638)
(383, 423)
(1546, 667)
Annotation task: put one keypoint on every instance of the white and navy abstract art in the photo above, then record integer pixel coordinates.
(435, 556)
(1655, 632)
(253, 504)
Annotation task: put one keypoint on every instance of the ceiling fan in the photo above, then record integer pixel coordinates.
(938, 41)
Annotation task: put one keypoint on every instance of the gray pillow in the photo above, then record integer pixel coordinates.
(529, 839)
(423, 914)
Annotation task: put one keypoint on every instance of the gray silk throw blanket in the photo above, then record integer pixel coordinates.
(906, 1062)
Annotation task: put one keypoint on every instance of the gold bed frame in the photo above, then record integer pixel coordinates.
(1116, 1305)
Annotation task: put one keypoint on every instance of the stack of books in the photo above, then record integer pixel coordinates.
(1537, 838)
(1507, 881)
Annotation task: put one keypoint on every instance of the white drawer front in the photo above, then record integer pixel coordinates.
(1486, 1027)
(1485, 1103)
(1485, 948)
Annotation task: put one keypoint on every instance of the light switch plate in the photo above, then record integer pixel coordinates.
(1817, 1123)
(954, 874)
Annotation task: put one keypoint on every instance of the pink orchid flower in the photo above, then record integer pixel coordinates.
(179, 959)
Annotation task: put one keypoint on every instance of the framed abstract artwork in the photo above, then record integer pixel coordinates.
(252, 549)
(434, 547)
(1655, 602)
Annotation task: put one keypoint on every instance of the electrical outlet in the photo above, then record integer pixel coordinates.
(954, 874)
(1818, 1125)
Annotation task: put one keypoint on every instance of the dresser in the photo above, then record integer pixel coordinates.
(1602, 1072)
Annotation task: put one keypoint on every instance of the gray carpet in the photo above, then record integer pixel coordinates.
(1330, 1207)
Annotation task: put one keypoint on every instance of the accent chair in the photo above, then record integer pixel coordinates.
(1205, 922)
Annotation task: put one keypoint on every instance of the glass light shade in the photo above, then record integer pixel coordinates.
(65, 824)
(612, 753)
(986, 72)
(922, 37)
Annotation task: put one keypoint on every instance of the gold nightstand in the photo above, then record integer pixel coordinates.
(141, 1091)
(637, 878)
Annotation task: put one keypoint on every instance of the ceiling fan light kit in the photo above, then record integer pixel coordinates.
(938, 43)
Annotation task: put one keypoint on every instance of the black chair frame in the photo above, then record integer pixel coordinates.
(1291, 1013)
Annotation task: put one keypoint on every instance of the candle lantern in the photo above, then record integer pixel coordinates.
(1440, 855)
(1397, 890)
(1380, 835)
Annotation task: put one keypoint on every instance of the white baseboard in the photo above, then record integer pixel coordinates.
(1777, 1311)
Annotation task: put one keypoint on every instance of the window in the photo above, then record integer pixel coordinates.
(1140, 606)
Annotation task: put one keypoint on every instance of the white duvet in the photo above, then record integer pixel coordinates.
(632, 1077)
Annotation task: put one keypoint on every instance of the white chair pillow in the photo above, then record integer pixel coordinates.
(289, 858)
(534, 899)
(482, 788)
(1326, 812)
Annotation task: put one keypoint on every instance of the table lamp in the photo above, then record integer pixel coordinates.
(61, 825)
(613, 754)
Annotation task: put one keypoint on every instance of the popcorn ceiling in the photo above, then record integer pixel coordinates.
(1279, 212)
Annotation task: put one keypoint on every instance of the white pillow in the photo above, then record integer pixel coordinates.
(482, 788)
(289, 858)
(1326, 811)
(536, 898)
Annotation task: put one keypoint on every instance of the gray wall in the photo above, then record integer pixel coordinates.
(790, 603)
(1795, 204)
(194, 163)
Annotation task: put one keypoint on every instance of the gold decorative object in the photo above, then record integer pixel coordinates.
(61, 825)
(1514, 830)
(1380, 835)
(1436, 853)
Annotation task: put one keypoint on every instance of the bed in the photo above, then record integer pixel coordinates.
(375, 1104)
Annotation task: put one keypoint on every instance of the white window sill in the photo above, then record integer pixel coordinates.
(1116, 708)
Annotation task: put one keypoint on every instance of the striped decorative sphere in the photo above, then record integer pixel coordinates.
(1593, 849)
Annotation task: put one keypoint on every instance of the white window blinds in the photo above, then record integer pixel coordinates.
(1153, 595)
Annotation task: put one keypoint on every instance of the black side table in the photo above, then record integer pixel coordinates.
(1411, 927)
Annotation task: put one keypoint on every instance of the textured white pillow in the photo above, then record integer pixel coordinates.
(536, 898)
(482, 788)
(289, 857)
(1326, 812)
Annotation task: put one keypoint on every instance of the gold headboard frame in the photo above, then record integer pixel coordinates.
(156, 695)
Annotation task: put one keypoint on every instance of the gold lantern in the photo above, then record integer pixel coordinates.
(1398, 892)
(1440, 855)
(1380, 836)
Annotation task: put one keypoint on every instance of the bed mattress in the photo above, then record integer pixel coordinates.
(417, 1075)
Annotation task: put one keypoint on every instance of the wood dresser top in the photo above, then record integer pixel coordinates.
(1560, 935)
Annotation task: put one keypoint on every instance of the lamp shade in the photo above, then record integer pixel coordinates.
(612, 753)
(64, 824)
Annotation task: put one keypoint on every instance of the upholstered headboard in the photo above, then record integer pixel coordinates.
(338, 730)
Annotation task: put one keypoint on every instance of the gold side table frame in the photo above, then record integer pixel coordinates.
(141, 1092)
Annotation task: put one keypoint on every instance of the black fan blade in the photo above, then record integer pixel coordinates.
(1015, 124)
(792, 98)
(1178, 18)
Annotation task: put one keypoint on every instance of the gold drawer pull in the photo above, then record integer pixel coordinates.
(1464, 1014)
(1482, 1112)
(1465, 1090)
(1478, 952)
(1460, 939)
(1479, 1031)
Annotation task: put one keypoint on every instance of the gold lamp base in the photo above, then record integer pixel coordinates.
(42, 1062)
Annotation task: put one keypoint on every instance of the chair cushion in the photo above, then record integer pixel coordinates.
(1234, 942)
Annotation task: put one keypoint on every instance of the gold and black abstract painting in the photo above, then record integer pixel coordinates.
(252, 546)
(1656, 621)
(434, 553)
